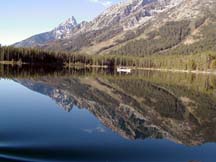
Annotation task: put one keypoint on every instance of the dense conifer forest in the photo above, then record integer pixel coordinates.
(201, 61)
(167, 37)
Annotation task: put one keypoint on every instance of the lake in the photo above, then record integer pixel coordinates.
(57, 115)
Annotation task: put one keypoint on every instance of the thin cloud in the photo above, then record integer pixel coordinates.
(95, 130)
(105, 3)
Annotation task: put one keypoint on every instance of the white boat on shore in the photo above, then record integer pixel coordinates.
(123, 70)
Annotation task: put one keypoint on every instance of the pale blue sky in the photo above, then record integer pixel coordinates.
(23, 18)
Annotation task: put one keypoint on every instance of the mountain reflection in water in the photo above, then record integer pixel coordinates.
(178, 107)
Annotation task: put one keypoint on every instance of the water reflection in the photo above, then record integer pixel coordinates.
(178, 107)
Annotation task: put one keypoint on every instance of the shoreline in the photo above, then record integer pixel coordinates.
(177, 70)
(12, 63)
(133, 68)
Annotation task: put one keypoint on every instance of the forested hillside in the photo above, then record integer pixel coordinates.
(182, 37)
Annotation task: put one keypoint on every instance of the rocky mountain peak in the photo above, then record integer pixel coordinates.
(65, 28)
(70, 21)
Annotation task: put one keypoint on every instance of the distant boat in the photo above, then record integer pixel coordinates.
(123, 70)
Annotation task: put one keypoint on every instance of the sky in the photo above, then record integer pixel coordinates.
(20, 19)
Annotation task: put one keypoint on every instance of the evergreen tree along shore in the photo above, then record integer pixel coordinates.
(203, 61)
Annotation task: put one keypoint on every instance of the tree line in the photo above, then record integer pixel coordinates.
(200, 61)
(41, 57)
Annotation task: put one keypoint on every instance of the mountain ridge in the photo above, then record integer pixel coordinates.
(58, 32)
(114, 29)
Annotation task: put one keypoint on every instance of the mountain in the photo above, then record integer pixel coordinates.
(141, 27)
(59, 32)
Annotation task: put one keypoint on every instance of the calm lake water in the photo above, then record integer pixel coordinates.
(94, 115)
